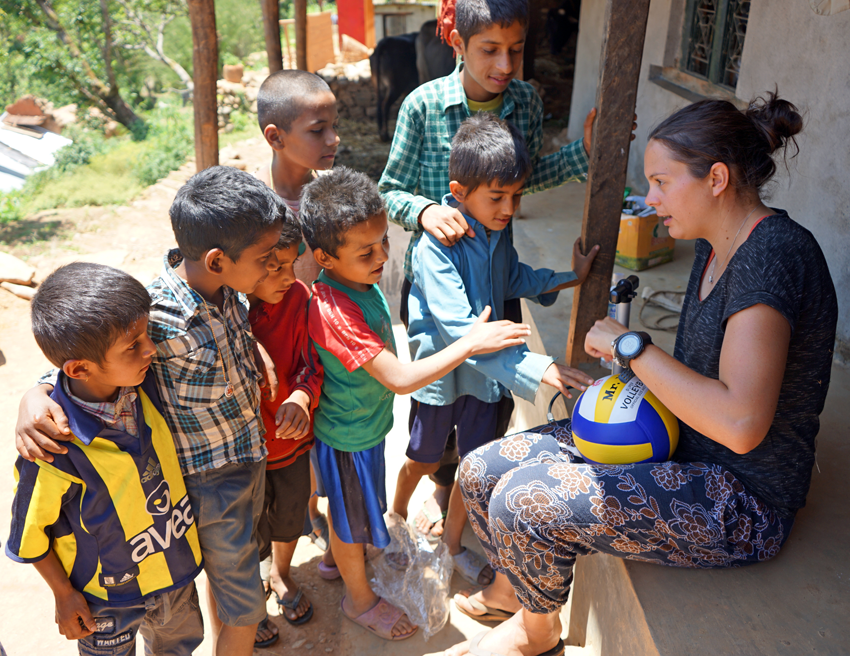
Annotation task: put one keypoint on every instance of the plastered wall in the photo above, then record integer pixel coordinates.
(787, 44)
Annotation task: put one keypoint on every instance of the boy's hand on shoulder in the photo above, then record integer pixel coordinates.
(73, 615)
(269, 386)
(41, 421)
(445, 223)
(293, 417)
(489, 336)
(582, 263)
(561, 377)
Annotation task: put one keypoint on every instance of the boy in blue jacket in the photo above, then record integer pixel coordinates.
(488, 167)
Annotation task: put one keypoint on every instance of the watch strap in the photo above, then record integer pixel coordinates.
(624, 361)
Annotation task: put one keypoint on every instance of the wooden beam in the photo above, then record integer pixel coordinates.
(300, 7)
(271, 30)
(205, 74)
(622, 49)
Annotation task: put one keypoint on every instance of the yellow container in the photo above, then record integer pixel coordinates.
(644, 242)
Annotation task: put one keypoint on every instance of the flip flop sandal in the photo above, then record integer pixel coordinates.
(323, 539)
(433, 518)
(380, 620)
(292, 605)
(469, 565)
(270, 641)
(476, 650)
(326, 572)
(486, 613)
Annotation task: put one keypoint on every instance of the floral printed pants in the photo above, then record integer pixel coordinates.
(535, 507)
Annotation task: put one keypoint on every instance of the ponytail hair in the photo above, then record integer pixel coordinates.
(711, 131)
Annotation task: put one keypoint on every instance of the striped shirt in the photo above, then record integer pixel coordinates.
(417, 171)
(113, 509)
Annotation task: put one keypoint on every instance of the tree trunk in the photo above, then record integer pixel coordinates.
(271, 30)
(301, 34)
(205, 64)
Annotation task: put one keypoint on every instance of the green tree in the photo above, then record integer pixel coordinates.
(83, 52)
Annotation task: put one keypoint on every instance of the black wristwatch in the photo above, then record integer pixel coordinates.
(628, 346)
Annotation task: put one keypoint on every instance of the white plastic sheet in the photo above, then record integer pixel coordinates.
(415, 576)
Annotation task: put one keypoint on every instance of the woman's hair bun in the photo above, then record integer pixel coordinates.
(777, 119)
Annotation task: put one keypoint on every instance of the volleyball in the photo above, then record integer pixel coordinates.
(616, 423)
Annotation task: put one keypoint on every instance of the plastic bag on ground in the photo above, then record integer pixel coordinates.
(414, 575)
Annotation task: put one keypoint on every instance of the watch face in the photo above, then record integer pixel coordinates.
(629, 345)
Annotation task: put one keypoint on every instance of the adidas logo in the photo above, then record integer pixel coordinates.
(151, 471)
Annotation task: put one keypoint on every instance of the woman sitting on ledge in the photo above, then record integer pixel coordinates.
(747, 380)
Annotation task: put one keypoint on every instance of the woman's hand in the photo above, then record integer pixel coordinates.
(598, 340)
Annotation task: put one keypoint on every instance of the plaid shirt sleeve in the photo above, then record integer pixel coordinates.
(210, 429)
(400, 180)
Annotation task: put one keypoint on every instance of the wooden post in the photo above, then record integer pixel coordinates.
(622, 49)
(205, 74)
(301, 34)
(271, 30)
(285, 23)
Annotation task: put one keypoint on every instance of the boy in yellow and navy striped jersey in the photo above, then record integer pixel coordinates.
(108, 524)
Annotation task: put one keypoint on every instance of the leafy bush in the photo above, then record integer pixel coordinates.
(169, 142)
(76, 154)
(10, 206)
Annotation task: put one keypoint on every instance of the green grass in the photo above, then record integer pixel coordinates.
(107, 179)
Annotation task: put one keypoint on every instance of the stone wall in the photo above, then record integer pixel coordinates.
(352, 85)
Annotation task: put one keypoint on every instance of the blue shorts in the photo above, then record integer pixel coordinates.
(355, 482)
(228, 502)
(475, 421)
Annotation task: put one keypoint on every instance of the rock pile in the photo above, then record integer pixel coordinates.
(352, 85)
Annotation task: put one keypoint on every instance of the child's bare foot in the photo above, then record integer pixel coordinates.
(523, 635)
(376, 617)
(429, 520)
(266, 635)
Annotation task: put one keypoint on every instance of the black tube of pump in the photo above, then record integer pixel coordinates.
(621, 295)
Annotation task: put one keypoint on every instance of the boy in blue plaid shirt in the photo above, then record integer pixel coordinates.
(207, 370)
(489, 37)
